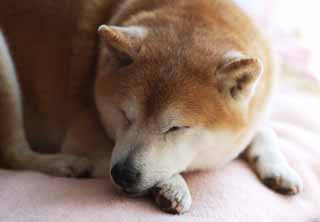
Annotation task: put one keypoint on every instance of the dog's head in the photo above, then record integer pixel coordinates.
(168, 100)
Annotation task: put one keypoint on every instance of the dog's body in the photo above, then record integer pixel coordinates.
(177, 85)
(41, 36)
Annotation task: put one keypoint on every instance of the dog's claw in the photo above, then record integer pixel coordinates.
(282, 179)
(172, 196)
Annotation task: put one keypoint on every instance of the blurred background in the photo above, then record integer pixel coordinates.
(294, 29)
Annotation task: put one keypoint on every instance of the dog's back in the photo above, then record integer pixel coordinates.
(45, 39)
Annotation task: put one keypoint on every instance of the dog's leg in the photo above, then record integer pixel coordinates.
(173, 195)
(15, 150)
(270, 165)
(86, 137)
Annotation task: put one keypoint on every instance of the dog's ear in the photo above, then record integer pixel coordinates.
(237, 77)
(123, 42)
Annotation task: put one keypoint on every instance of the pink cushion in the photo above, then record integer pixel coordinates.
(230, 194)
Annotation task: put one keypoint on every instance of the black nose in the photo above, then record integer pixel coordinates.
(125, 175)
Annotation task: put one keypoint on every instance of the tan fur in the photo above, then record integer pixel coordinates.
(200, 34)
(54, 49)
(41, 49)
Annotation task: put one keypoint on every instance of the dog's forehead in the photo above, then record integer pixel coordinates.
(171, 92)
(175, 53)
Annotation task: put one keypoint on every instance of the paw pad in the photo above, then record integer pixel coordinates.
(167, 204)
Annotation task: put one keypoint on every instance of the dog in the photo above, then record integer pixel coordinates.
(146, 88)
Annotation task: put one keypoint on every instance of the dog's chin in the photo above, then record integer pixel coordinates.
(135, 192)
(132, 192)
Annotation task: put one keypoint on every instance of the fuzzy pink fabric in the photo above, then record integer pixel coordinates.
(232, 194)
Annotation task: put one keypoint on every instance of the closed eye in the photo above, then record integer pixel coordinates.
(176, 128)
(124, 114)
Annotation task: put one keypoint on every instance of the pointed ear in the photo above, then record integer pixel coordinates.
(238, 75)
(124, 42)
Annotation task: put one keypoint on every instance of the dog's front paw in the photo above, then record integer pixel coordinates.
(281, 178)
(66, 165)
(173, 196)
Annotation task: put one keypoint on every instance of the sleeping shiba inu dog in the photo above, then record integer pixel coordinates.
(141, 90)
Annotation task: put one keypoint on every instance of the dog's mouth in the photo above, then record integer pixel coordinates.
(135, 193)
(132, 191)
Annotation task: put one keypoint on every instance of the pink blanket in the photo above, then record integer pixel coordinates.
(231, 194)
